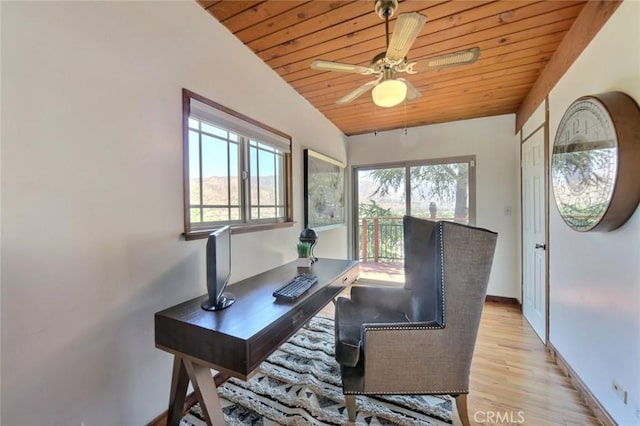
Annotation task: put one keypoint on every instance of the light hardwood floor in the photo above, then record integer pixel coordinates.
(513, 379)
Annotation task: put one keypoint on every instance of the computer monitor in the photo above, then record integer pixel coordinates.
(218, 270)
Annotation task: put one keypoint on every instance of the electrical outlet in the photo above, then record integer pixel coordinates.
(619, 390)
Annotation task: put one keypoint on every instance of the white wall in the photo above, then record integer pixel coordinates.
(92, 197)
(595, 277)
(493, 141)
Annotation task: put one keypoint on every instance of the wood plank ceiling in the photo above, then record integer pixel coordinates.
(516, 40)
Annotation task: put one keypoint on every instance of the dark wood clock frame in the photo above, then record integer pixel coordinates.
(623, 115)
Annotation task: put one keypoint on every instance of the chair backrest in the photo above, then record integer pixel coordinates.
(422, 270)
(441, 253)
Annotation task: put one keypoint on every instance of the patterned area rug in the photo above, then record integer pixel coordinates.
(299, 384)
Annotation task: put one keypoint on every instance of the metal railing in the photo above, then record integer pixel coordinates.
(382, 238)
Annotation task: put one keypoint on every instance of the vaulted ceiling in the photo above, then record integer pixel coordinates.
(517, 41)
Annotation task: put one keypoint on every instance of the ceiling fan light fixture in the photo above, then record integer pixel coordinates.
(387, 90)
(389, 93)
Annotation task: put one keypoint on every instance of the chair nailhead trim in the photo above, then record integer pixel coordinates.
(412, 327)
(444, 306)
(446, 392)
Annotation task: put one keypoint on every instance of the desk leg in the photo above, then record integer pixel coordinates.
(206, 392)
(179, 382)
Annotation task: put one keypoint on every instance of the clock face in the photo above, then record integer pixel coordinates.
(584, 163)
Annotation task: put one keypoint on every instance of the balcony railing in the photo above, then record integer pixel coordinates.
(382, 240)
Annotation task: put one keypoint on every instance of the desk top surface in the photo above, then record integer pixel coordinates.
(255, 305)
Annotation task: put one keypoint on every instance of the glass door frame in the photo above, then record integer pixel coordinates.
(407, 165)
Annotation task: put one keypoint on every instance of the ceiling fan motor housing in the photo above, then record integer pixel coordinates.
(385, 8)
(387, 74)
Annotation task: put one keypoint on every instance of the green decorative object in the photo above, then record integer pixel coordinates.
(304, 249)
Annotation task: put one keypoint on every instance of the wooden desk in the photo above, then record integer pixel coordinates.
(234, 341)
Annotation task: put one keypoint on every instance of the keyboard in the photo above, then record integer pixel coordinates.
(295, 288)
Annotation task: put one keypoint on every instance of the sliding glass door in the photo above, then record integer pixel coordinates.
(380, 197)
(442, 189)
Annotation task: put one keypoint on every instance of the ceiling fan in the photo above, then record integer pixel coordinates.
(387, 89)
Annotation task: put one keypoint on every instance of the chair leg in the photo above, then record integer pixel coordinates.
(351, 407)
(461, 405)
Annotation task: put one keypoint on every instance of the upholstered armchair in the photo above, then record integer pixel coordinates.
(418, 339)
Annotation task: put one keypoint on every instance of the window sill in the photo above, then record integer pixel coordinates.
(237, 229)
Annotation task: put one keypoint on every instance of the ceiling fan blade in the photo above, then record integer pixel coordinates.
(408, 26)
(462, 57)
(322, 65)
(412, 92)
(356, 93)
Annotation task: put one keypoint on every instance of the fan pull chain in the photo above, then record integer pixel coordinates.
(405, 116)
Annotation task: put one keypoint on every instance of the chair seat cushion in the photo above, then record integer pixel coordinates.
(349, 319)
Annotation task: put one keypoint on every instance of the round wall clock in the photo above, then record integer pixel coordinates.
(595, 163)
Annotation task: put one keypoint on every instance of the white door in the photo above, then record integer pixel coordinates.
(534, 289)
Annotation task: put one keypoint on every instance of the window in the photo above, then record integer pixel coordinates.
(237, 171)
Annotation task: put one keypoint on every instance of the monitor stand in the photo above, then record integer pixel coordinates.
(226, 300)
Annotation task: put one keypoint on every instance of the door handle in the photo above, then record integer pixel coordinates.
(541, 246)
